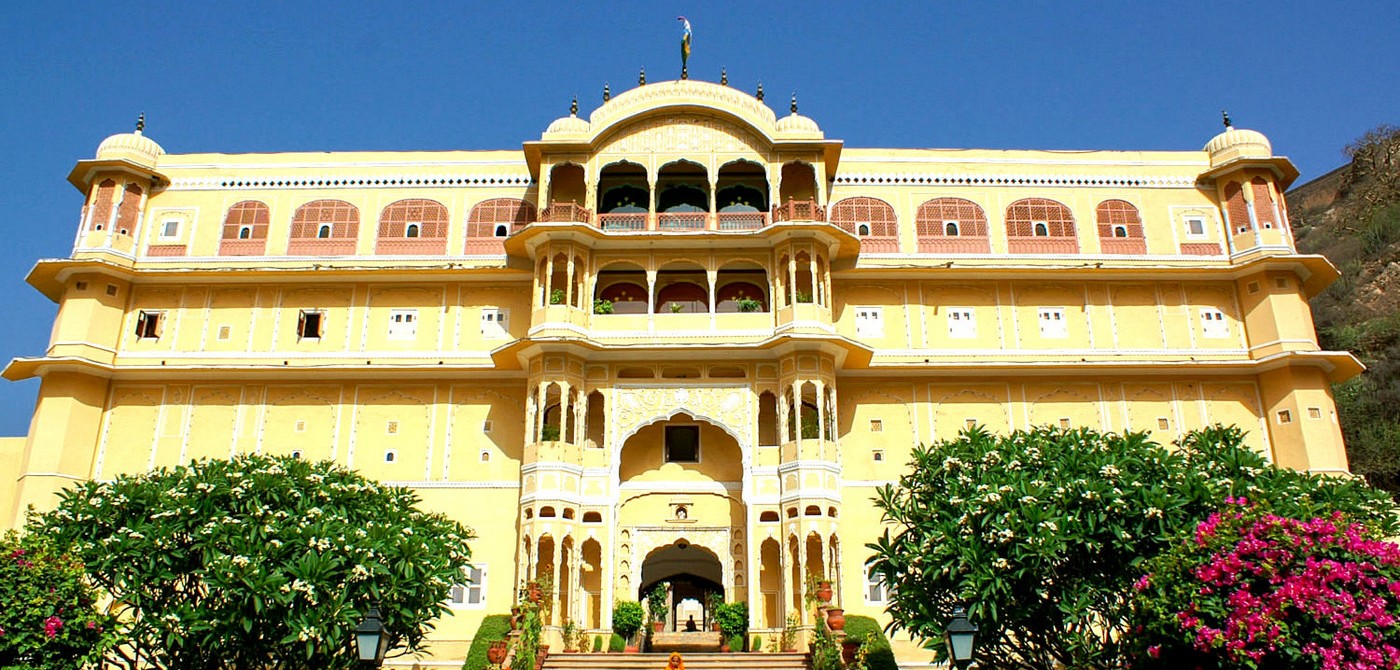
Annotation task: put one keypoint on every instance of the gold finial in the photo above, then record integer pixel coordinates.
(792, 107)
(759, 95)
(607, 93)
(141, 123)
(723, 77)
(1225, 116)
(573, 107)
(642, 78)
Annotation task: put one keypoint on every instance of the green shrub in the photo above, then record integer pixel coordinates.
(736, 643)
(757, 644)
(879, 656)
(616, 643)
(627, 618)
(733, 618)
(597, 643)
(493, 628)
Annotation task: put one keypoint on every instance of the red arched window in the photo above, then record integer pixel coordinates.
(872, 220)
(130, 209)
(491, 221)
(1236, 209)
(951, 226)
(245, 229)
(1263, 203)
(413, 226)
(324, 228)
(101, 212)
(1040, 226)
(1120, 228)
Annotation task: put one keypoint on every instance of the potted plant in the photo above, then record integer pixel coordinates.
(556, 297)
(677, 307)
(733, 621)
(713, 602)
(818, 586)
(601, 306)
(788, 641)
(496, 653)
(749, 305)
(803, 296)
(657, 607)
(550, 433)
(627, 620)
(570, 633)
(597, 643)
(836, 619)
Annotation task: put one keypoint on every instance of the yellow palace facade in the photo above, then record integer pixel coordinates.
(681, 339)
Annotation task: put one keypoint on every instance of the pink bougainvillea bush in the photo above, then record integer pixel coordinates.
(1253, 589)
(49, 616)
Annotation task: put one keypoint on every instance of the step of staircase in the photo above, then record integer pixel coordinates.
(697, 661)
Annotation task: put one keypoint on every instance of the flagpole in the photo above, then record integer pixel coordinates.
(685, 47)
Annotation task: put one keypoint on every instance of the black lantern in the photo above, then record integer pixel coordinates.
(370, 640)
(961, 638)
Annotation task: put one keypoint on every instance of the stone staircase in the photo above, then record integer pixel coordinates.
(695, 661)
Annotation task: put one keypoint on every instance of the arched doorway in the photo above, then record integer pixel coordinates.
(694, 576)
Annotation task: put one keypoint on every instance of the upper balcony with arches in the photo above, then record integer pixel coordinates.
(682, 157)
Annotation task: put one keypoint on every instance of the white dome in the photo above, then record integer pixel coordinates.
(1238, 143)
(797, 124)
(567, 124)
(134, 147)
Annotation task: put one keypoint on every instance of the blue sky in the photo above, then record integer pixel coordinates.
(303, 76)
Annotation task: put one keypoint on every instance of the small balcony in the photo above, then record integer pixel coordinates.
(799, 210)
(674, 221)
(165, 250)
(566, 212)
(1200, 249)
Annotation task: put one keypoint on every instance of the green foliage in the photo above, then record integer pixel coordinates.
(556, 297)
(527, 646)
(616, 643)
(748, 305)
(878, 654)
(826, 651)
(49, 616)
(656, 602)
(757, 644)
(1042, 533)
(493, 629)
(258, 561)
(789, 636)
(736, 642)
(549, 433)
(601, 306)
(597, 643)
(733, 619)
(627, 618)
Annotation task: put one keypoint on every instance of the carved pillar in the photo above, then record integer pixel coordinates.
(651, 291)
(569, 289)
(816, 282)
(821, 413)
(792, 277)
(564, 433)
(712, 276)
(548, 282)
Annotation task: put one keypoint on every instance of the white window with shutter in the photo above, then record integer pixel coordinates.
(962, 323)
(1213, 324)
(1052, 323)
(870, 322)
(495, 322)
(403, 324)
(471, 593)
(875, 591)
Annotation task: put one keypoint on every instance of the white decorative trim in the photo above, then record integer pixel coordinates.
(682, 486)
(1020, 179)
(401, 180)
(416, 484)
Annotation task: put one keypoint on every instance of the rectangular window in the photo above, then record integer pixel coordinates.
(875, 591)
(495, 322)
(1052, 323)
(403, 324)
(1213, 324)
(1195, 226)
(682, 444)
(472, 592)
(1285, 416)
(1314, 412)
(170, 229)
(962, 324)
(310, 324)
(148, 325)
(877, 426)
(225, 332)
(870, 322)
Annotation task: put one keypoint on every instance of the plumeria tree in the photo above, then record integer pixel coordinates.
(1255, 589)
(49, 617)
(1042, 533)
(258, 561)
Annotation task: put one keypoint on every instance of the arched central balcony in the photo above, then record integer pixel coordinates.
(683, 197)
(683, 295)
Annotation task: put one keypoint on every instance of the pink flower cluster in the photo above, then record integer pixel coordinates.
(1319, 585)
(51, 625)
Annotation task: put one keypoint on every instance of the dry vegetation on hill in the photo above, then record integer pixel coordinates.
(1352, 216)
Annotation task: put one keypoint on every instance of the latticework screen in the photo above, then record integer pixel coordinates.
(878, 214)
(488, 214)
(250, 213)
(1236, 207)
(343, 217)
(1022, 215)
(102, 204)
(128, 211)
(1113, 213)
(430, 215)
(933, 216)
(1263, 202)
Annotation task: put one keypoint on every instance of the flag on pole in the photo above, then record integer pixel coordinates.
(685, 46)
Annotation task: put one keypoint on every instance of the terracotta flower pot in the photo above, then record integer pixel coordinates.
(496, 653)
(714, 626)
(724, 647)
(533, 590)
(824, 591)
(849, 648)
(658, 626)
(631, 649)
(836, 618)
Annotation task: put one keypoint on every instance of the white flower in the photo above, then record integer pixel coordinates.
(1000, 563)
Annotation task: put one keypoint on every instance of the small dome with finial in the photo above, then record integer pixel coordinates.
(795, 125)
(135, 146)
(1237, 143)
(568, 124)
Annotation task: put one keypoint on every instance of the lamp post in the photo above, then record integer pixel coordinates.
(370, 640)
(961, 638)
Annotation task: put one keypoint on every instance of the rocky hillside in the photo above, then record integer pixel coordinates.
(1352, 216)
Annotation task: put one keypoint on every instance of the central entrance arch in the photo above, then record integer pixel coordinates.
(694, 576)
